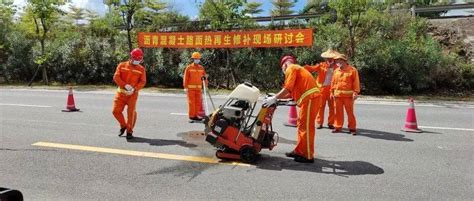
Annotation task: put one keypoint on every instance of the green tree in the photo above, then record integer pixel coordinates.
(349, 13)
(226, 15)
(282, 7)
(43, 13)
(129, 8)
(314, 6)
(76, 13)
(90, 15)
(7, 11)
(253, 8)
(153, 15)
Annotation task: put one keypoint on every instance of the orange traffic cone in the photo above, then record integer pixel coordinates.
(292, 117)
(410, 123)
(70, 105)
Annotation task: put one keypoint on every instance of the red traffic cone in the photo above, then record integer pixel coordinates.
(292, 117)
(70, 105)
(201, 112)
(410, 122)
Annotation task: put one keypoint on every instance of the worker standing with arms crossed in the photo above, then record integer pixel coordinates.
(130, 77)
(192, 84)
(325, 71)
(345, 90)
(301, 86)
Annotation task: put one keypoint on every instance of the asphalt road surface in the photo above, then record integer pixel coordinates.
(52, 155)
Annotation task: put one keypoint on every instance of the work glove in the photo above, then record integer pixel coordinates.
(269, 101)
(128, 93)
(128, 87)
(185, 90)
(355, 96)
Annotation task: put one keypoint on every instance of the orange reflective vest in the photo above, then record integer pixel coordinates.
(321, 69)
(301, 84)
(192, 76)
(127, 73)
(345, 82)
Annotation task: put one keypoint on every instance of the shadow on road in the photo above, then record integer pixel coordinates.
(383, 135)
(286, 141)
(161, 142)
(340, 168)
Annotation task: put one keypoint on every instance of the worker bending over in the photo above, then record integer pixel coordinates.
(301, 86)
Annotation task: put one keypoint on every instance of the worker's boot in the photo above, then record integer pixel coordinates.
(301, 159)
(122, 131)
(330, 126)
(291, 154)
(129, 136)
(320, 126)
(353, 132)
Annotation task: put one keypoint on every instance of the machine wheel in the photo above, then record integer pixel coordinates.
(248, 154)
(217, 154)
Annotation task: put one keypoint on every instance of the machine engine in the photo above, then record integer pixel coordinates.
(234, 130)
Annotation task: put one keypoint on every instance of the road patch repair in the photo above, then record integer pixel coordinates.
(198, 159)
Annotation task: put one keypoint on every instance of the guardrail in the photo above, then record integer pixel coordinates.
(286, 17)
(415, 10)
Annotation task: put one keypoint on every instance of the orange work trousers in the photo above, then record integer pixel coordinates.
(194, 102)
(306, 128)
(326, 98)
(121, 100)
(345, 103)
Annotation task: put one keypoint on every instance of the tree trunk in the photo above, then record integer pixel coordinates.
(129, 29)
(45, 73)
(227, 67)
(352, 42)
(129, 40)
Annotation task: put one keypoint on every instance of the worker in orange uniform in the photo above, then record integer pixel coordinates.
(325, 71)
(130, 77)
(192, 83)
(301, 86)
(345, 90)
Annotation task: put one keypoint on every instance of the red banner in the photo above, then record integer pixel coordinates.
(240, 39)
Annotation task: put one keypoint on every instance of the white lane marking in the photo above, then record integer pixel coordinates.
(23, 105)
(179, 114)
(441, 105)
(447, 128)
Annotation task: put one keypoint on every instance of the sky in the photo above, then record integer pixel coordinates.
(186, 7)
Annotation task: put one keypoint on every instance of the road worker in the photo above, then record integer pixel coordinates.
(345, 89)
(325, 71)
(301, 86)
(130, 77)
(194, 74)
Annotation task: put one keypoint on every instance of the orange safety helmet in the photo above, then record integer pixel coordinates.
(137, 54)
(286, 58)
(196, 55)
